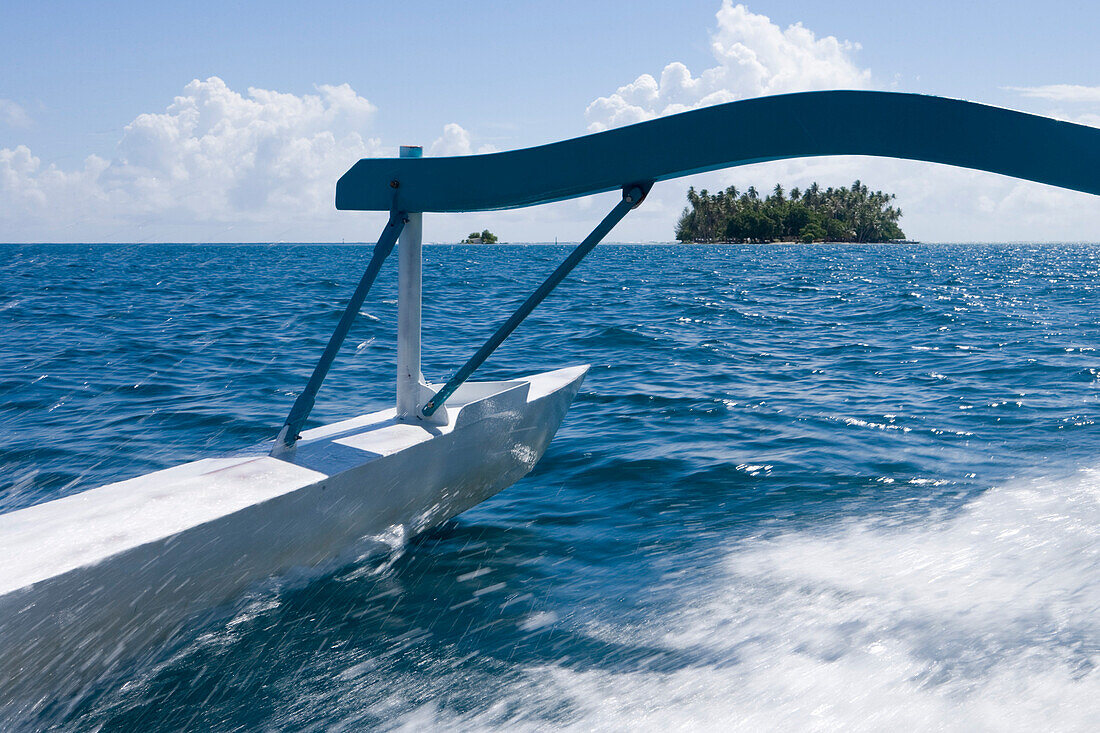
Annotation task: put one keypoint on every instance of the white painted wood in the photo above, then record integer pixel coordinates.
(409, 377)
(409, 299)
(89, 580)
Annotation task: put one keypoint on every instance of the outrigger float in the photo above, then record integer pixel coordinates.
(88, 580)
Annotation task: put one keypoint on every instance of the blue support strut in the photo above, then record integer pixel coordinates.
(632, 196)
(304, 404)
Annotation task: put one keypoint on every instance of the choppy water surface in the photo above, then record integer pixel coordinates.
(850, 487)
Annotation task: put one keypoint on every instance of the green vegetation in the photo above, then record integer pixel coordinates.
(843, 214)
(484, 237)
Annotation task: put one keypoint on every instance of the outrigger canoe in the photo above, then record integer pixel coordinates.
(88, 580)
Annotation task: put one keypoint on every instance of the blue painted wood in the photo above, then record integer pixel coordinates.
(631, 199)
(888, 124)
(303, 405)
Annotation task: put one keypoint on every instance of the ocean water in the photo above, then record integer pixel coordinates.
(821, 487)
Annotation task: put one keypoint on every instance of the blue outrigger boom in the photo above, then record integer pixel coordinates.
(886, 124)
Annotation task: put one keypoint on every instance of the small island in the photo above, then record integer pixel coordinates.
(483, 237)
(843, 214)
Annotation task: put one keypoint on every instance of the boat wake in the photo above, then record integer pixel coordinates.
(985, 620)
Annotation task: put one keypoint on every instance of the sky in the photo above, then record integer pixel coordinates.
(226, 122)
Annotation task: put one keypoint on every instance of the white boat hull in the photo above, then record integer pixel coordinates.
(89, 580)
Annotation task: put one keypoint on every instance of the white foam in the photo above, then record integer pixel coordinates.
(988, 619)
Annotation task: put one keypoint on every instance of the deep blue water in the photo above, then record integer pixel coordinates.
(822, 486)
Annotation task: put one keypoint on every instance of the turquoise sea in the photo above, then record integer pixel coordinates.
(804, 487)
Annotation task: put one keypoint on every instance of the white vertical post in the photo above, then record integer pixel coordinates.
(408, 308)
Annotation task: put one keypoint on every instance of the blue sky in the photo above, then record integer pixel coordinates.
(79, 76)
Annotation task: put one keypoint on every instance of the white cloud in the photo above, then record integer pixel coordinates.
(1060, 93)
(13, 115)
(215, 164)
(213, 156)
(755, 57)
(456, 140)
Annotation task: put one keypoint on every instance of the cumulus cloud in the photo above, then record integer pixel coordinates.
(1060, 93)
(13, 115)
(213, 155)
(214, 164)
(455, 140)
(755, 57)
